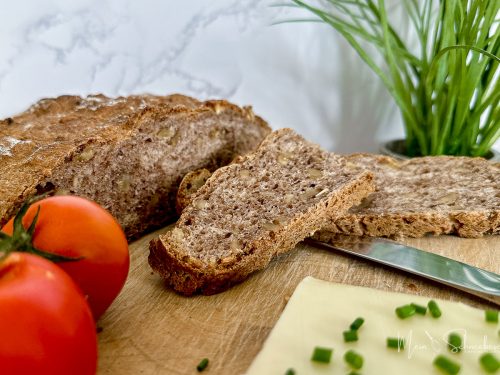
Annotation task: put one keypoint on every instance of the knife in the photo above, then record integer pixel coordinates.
(465, 277)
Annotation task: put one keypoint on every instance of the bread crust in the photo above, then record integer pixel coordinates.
(188, 273)
(40, 143)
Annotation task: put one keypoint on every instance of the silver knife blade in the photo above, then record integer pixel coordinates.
(447, 271)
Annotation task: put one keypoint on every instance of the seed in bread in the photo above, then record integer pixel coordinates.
(127, 154)
(242, 217)
(426, 195)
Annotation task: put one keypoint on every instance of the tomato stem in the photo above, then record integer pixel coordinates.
(22, 238)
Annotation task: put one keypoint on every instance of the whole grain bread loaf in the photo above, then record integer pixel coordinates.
(249, 211)
(128, 154)
(427, 195)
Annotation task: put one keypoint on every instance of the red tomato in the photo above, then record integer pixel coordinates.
(76, 227)
(46, 324)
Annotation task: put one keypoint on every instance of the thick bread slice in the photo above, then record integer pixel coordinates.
(251, 210)
(427, 195)
(128, 154)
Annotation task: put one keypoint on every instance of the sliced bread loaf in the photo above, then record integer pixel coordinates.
(427, 195)
(251, 210)
(128, 154)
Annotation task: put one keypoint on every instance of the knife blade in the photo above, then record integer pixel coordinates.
(465, 277)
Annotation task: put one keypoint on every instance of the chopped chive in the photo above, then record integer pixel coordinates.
(491, 316)
(350, 336)
(419, 309)
(356, 324)
(489, 363)
(202, 365)
(353, 373)
(434, 309)
(396, 343)
(405, 311)
(446, 365)
(322, 354)
(290, 371)
(454, 343)
(354, 359)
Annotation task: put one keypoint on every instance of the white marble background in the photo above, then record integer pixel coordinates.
(299, 75)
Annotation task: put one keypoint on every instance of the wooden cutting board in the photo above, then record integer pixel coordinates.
(151, 330)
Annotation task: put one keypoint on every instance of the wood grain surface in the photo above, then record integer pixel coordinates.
(152, 330)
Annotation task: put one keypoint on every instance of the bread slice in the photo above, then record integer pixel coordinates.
(251, 210)
(427, 195)
(128, 154)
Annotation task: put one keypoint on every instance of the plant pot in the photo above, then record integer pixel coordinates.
(396, 149)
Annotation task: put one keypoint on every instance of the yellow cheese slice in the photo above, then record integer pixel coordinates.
(319, 311)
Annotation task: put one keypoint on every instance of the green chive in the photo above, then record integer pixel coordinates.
(202, 365)
(356, 324)
(396, 343)
(446, 365)
(443, 80)
(455, 343)
(350, 336)
(434, 309)
(322, 354)
(491, 316)
(489, 363)
(419, 309)
(353, 373)
(405, 311)
(354, 359)
(290, 371)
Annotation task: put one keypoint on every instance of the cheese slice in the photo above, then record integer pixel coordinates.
(319, 311)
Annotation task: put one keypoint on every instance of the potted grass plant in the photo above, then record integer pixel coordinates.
(443, 74)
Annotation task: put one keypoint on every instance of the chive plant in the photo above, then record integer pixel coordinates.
(447, 87)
